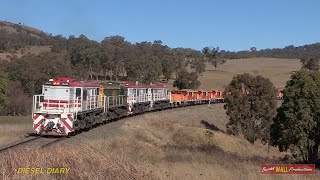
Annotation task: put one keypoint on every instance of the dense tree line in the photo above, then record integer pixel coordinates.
(114, 58)
(290, 52)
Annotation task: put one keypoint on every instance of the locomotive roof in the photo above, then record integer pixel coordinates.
(190, 90)
(70, 82)
(130, 85)
(147, 86)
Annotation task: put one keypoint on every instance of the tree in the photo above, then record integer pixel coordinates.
(311, 63)
(180, 64)
(167, 67)
(116, 50)
(85, 56)
(196, 61)
(166, 56)
(251, 106)
(144, 66)
(18, 101)
(32, 74)
(187, 80)
(2, 90)
(214, 56)
(253, 49)
(297, 125)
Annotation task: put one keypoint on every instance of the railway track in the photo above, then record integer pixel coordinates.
(31, 142)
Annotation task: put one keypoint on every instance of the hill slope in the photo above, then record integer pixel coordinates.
(17, 40)
(184, 143)
(277, 70)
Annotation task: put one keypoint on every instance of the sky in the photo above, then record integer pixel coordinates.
(229, 24)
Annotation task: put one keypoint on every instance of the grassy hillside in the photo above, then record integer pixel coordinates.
(193, 145)
(20, 28)
(17, 40)
(184, 143)
(277, 70)
(36, 50)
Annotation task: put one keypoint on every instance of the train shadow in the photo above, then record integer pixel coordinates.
(211, 126)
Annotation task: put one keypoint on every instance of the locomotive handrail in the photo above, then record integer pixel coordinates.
(65, 104)
(116, 100)
(49, 103)
(159, 96)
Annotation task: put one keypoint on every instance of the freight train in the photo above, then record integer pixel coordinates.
(68, 106)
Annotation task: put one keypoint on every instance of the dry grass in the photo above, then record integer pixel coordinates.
(10, 27)
(85, 162)
(277, 70)
(174, 144)
(13, 128)
(35, 50)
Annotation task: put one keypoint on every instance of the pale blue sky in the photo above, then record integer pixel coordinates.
(229, 24)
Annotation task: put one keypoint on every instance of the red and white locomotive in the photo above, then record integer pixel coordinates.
(55, 111)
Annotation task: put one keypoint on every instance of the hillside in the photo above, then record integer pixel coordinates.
(277, 70)
(17, 40)
(290, 52)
